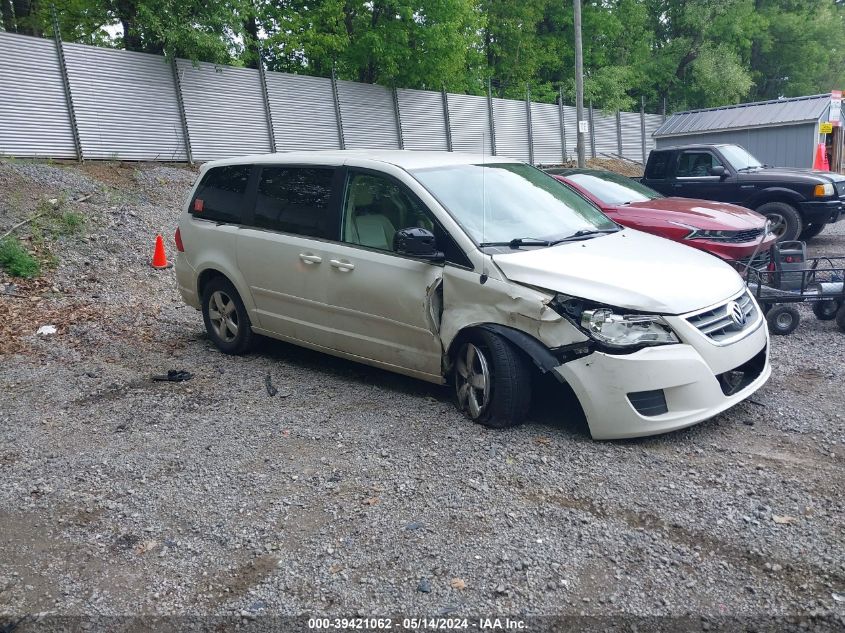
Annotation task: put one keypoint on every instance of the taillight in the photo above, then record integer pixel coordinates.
(179, 246)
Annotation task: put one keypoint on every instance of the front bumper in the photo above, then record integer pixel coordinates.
(688, 379)
(822, 211)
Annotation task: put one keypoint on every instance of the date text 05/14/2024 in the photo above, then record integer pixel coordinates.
(416, 624)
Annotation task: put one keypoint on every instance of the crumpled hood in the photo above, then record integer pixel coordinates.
(627, 269)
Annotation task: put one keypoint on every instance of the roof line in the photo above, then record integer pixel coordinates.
(752, 103)
(733, 129)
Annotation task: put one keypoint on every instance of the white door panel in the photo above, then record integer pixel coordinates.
(381, 307)
(286, 277)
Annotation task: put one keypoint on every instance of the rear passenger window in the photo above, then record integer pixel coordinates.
(295, 200)
(220, 196)
(657, 166)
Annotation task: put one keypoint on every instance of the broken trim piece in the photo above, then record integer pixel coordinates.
(540, 355)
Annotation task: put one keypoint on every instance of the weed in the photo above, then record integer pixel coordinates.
(16, 260)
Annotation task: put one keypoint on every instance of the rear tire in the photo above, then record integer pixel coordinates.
(810, 231)
(840, 318)
(786, 221)
(226, 320)
(492, 381)
(826, 310)
(783, 320)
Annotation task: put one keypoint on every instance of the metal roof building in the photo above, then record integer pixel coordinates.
(782, 132)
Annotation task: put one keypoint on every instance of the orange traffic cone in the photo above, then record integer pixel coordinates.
(821, 158)
(159, 258)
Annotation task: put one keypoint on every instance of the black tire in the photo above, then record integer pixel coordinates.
(840, 318)
(241, 341)
(810, 231)
(508, 380)
(783, 320)
(788, 224)
(826, 310)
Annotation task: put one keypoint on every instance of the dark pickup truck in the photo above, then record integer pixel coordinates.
(799, 202)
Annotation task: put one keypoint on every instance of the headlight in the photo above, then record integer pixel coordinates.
(701, 234)
(822, 191)
(624, 330)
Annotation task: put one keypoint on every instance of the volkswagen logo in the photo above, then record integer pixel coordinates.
(736, 314)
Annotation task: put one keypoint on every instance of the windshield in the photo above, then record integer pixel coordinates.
(500, 202)
(613, 189)
(739, 157)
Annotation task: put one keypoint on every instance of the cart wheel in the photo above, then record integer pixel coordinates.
(783, 320)
(840, 318)
(826, 310)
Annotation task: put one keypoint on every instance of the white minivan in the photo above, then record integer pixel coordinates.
(472, 270)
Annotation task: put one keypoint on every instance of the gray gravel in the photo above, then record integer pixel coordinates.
(355, 491)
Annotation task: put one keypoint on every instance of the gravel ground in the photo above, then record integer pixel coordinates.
(355, 491)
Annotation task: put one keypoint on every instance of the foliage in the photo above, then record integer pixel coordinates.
(15, 259)
(688, 53)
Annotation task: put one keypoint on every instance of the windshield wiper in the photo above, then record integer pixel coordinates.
(519, 241)
(749, 167)
(584, 234)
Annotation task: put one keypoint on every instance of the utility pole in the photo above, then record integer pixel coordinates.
(579, 84)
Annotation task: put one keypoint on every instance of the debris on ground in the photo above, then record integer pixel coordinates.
(174, 375)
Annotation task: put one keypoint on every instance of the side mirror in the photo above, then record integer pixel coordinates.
(718, 170)
(417, 242)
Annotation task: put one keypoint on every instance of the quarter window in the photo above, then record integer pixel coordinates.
(657, 164)
(696, 164)
(220, 195)
(295, 200)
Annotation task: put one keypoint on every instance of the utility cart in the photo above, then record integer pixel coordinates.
(791, 277)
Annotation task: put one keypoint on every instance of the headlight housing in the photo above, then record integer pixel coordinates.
(615, 328)
(823, 191)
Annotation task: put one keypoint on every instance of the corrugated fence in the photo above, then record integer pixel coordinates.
(65, 100)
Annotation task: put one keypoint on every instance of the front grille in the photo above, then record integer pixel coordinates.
(720, 324)
(840, 188)
(744, 236)
(649, 403)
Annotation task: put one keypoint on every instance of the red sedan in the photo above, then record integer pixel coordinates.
(732, 233)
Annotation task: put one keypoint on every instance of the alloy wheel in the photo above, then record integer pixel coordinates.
(778, 224)
(472, 380)
(223, 315)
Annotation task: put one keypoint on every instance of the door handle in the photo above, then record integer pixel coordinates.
(341, 265)
(310, 259)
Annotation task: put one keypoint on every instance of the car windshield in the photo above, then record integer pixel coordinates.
(739, 157)
(613, 189)
(502, 202)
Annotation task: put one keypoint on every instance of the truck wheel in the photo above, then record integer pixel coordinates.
(492, 381)
(826, 310)
(840, 318)
(783, 320)
(810, 231)
(786, 223)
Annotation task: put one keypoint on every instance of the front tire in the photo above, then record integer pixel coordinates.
(226, 320)
(810, 231)
(782, 320)
(492, 381)
(786, 221)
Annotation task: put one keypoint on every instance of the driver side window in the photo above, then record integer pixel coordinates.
(696, 164)
(374, 208)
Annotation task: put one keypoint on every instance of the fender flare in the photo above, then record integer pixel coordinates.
(774, 194)
(539, 354)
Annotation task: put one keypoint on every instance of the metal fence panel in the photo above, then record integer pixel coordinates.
(570, 121)
(303, 112)
(34, 119)
(545, 121)
(470, 121)
(224, 106)
(652, 122)
(605, 124)
(423, 120)
(632, 148)
(125, 104)
(369, 121)
(511, 120)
